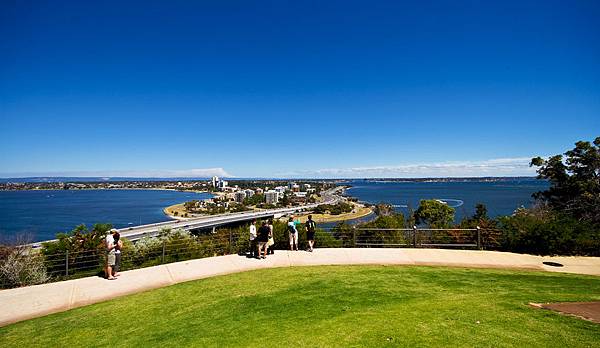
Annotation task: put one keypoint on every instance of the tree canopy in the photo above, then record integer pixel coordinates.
(574, 181)
(434, 213)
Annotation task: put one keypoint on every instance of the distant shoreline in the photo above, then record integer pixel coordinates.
(112, 188)
(49, 180)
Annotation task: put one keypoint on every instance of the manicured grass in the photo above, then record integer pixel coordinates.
(331, 306)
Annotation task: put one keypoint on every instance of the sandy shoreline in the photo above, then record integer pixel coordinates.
(358, 212)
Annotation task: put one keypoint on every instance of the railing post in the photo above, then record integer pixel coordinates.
(478, 238)
(353, 237)
(163, 252)
(414, 236)
(67, 263)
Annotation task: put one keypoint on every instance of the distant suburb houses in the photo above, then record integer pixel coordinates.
(272, 195)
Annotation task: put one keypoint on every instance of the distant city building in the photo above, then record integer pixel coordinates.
(249, 193)
(259, 191)
(215, 181)
(280, 189)
(300, 194)
(240, 196)
(222, 184)
(272, 197)
(306, 187)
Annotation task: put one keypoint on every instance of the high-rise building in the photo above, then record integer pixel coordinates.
(249, 193)
(215, 181)
(240, 196)
(271, 197)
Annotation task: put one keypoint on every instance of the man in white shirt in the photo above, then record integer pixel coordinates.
(253, 246)
(109, 243)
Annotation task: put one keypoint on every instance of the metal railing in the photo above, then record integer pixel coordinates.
(156, 251)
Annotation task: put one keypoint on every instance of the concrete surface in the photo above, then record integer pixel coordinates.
(39, 300)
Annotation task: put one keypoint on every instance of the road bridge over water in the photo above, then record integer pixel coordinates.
(134, 233)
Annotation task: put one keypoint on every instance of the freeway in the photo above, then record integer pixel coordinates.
(136, 232)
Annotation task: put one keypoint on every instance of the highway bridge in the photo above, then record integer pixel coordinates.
(134, 233)
(212, 221)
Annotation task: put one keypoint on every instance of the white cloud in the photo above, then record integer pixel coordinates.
(493, 167)
(185, 173)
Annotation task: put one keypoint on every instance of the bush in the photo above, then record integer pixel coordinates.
(85, 250)
(549, 234)
(21, 266)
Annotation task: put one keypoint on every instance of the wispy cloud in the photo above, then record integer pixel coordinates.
(185, 173)
(493, 167)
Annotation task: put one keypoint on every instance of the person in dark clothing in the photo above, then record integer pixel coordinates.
(263, 238)
(118, 247)
(311, 226)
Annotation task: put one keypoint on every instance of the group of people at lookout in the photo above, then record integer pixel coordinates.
(262, 242)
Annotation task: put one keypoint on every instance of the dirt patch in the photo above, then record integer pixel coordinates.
(584, 310)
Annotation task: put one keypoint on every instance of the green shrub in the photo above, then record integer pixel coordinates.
(81, 249)
(549, 234)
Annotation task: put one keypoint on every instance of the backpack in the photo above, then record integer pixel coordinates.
(291, 228)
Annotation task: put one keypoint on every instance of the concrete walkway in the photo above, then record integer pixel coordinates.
(39, 300)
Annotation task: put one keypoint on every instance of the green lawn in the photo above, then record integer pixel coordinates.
(331, 306)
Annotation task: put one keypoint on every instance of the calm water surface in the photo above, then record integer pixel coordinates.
(501, 198)
(44, 213)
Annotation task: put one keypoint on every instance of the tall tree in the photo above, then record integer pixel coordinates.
(574, 181)
(434, 213)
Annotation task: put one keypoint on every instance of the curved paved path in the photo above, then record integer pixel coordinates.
(35, 301)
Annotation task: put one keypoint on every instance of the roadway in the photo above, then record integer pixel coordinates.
(134, 233)
(203, 222)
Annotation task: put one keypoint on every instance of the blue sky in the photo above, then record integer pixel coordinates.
(312, 89)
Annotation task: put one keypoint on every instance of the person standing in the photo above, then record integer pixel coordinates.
(263, 238)
(271, 242)
(311, 226)
(118, 245)
(291, 226)
(253, 238)
(109, 243)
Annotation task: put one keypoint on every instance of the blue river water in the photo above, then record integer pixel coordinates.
(500, 197)
(41, 214)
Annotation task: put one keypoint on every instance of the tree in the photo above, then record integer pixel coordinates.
(383, 209)
(574, 181)
(191, 205)
(434, 213)
(480, 212)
